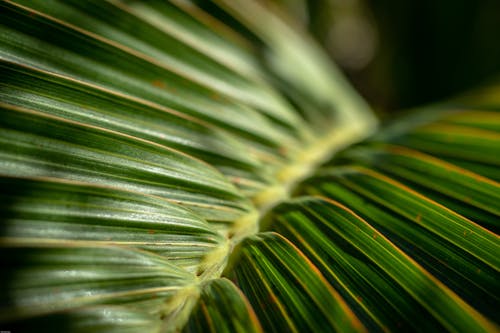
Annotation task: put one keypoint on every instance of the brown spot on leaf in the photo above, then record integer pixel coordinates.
(273, 299)
(158, 84)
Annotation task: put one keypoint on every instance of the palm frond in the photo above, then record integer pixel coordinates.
(149, 150)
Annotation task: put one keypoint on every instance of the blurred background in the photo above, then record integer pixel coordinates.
(403, 53)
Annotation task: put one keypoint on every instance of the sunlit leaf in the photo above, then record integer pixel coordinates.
(453, 248)
(56, 212)
(99, 319)
(290, 294)
(46, 278)
(464, 191)
(222, 308)
(381, 282)
(144, 143)
(35, 89)
(35, 144)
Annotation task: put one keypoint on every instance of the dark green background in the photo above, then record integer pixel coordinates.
(428, 49)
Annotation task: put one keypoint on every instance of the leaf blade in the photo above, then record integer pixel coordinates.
(335, 218)
(222, 308)
(292, 295)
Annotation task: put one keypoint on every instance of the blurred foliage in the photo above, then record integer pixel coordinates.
(404, 53)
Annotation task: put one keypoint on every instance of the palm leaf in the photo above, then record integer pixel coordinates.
(382, 282)
(222, 307)
(145, 146)
(291, 295)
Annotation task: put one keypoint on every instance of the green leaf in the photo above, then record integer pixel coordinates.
(439, 131)
(482, 119)
(380, 281)
(201, 31)
(133, 136)
(35, 144)
(222, 308)
(46, 211)
(459, 252)
(133, 32)
(36, 90)
(466, 192)
(286, 290)
(456, 141)
(44, 279)
(294, 59)
(99, 319)
(28, 38)
(140, 142)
